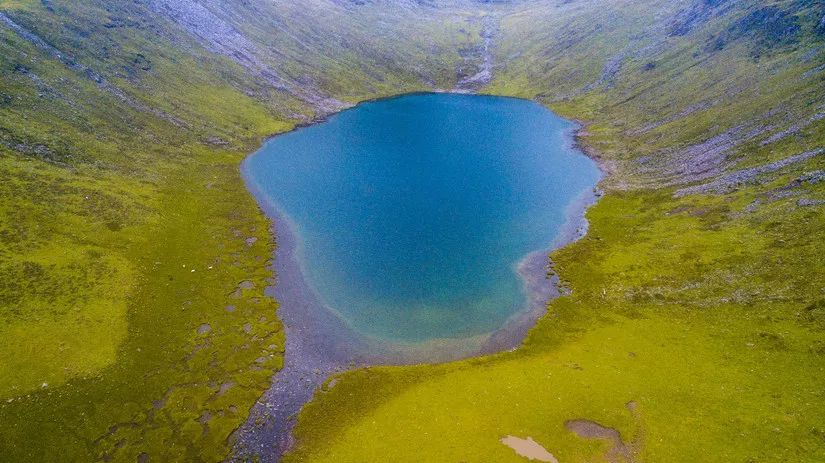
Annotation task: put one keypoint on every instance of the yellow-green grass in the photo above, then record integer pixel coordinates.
(122, 244)
(139, 373)
(704, 391)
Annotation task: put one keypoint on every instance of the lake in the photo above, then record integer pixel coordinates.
(412, 213)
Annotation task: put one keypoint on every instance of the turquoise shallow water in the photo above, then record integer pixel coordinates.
(413, 212)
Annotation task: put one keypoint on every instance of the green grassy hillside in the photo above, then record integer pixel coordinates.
(133, 322)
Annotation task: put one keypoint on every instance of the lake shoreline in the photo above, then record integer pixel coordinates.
(319, 343)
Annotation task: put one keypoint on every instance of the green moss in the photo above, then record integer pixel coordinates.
(687, 376)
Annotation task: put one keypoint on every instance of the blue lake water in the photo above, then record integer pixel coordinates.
(413, 212)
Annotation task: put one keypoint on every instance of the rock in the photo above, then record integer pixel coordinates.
(813, 177)
(730, 181)
(804, 202)
(216, 141)
(245, 284)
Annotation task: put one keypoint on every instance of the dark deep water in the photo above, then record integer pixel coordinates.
(412, 213)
